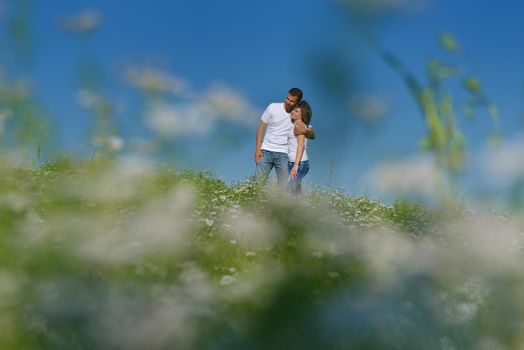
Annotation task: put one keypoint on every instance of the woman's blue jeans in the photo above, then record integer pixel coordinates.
(295, 185)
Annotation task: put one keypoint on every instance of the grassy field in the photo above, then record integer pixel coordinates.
(124, 255)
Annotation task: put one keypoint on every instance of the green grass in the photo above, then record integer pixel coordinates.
(109, 254)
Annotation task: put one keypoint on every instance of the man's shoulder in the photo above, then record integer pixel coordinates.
(277, 109)
(275, 105)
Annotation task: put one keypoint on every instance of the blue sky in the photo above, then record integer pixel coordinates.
(261, 49)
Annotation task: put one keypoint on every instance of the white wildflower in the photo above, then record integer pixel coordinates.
(227, 280)
(370, 108)
(88, 98)
(196, 283)
(16, 201)
(250, 231)
(161, 227)
(504, 163)
(115, 143)
(317, 254)
(460, 313)
(9, 287)
(333, 274)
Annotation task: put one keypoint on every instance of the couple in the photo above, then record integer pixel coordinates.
(284, 143)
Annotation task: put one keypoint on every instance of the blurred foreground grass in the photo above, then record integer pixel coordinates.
(124, 255)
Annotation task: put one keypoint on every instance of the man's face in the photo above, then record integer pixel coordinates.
(290, 102)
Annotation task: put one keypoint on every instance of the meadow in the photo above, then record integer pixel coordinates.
(123, 254)
(109, 249)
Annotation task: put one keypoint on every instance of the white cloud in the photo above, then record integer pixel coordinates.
(225, 103)
(82, 23)
(200, 115)
(155, 81)
(174, 120)
(416, 175)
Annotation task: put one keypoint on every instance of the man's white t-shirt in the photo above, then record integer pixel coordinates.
(293, 146)
(278, 126)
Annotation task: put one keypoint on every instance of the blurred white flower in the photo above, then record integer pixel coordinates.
(149, 323)
(88, 98)
(460, 313)
(488, 239)
(9, 287)
(387, 254)
(83, 23)
(159, 227)
(333, 274)
(317, 254)
(417, 175)
(504, 162)
(369, 108)
(116, 143)
(196, 283)
(16, 201)
(227, 280)
(249, 230)
(155, 81)
(256, 285)
(119, 182)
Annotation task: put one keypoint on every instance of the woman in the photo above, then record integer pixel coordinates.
(298, 162)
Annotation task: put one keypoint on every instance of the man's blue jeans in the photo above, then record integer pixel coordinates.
(295, 185)
(270, 159)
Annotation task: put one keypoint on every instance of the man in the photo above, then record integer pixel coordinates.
(271, 148)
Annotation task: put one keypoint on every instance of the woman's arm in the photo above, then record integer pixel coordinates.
(300, 151)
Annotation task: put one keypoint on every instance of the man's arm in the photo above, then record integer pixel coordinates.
(260, 135)
(300, 129)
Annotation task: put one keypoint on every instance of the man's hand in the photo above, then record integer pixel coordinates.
(300, 129)
(258, 155)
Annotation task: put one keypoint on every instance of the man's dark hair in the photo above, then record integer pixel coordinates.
(296, 92)
(305, 110)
